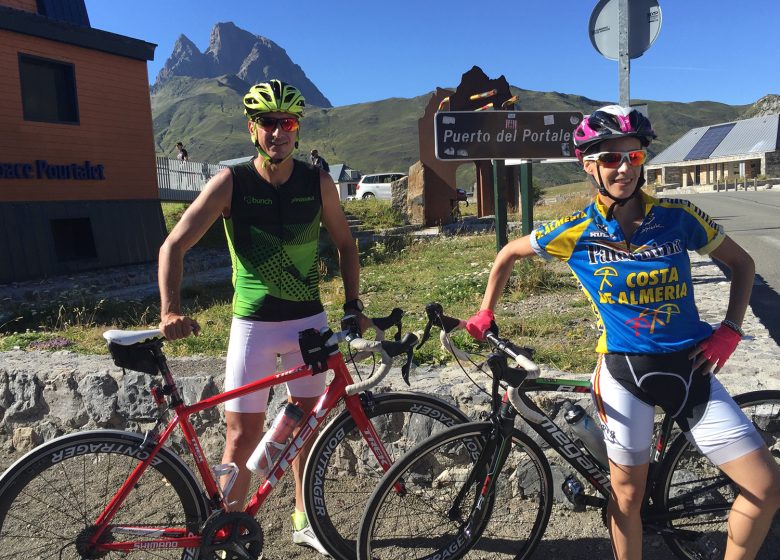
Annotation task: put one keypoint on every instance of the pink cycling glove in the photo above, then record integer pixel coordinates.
(480, 323)
(719, 347)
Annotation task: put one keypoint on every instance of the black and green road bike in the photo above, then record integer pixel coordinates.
(486, 488)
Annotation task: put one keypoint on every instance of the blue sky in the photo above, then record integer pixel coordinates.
(358, 51)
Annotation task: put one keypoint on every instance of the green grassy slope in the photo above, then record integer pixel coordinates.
(373, 137)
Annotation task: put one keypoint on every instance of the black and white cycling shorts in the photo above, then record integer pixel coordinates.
(627, 387)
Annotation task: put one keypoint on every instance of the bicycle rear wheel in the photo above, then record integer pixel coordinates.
(50, 498)
(419, 523)
(689, 483)
(342, 471)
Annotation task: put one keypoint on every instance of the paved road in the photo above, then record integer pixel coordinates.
(752, 219)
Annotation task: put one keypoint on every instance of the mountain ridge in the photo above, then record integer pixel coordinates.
(206, 114)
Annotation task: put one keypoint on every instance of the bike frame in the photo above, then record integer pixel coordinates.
(179, 537)
(581, 459)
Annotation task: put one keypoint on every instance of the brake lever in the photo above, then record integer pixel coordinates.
(406, 346)
(395, 319)
(406, 368)
(350, 323)
(426, 334)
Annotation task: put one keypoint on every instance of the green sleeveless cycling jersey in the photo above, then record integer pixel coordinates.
(273, 235)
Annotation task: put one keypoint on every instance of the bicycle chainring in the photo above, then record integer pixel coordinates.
(231, 535)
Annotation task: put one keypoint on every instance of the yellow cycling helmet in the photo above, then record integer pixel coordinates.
(274, 96)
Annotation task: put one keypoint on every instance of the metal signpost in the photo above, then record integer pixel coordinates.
(624, 29)
(502, 135)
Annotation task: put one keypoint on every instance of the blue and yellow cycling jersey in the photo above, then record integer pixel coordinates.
(640, 288)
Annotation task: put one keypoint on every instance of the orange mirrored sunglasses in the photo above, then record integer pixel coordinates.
(269, 124)
(613, 160)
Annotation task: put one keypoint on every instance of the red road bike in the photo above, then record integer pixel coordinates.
(109, 493)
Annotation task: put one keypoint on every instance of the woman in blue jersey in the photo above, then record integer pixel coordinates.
(630, 253)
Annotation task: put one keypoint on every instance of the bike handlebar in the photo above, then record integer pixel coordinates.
(507, 347)
(436, 316)
(387, 349)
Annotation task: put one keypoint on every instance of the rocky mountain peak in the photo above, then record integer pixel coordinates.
(185, 60)
(767, 105)
(233, 50)
(229, 44)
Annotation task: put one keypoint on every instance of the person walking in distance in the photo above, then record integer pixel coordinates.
(630, 253)
(182, 156)
(318, 161)
(271, 207)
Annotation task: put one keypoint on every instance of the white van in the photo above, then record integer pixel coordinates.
(376, 185)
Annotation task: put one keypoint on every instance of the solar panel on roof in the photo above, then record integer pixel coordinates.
(709, 141)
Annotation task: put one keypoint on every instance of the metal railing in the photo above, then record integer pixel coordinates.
(737, 183)
(183, 180)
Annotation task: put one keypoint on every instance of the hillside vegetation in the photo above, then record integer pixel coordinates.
(378, 136)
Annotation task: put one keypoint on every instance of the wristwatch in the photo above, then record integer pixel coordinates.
(353, 305)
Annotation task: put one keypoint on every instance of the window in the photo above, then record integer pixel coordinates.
(73, 239)
(48, 90)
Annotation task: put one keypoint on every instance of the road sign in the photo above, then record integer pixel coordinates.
(472, 135)
(644, 25)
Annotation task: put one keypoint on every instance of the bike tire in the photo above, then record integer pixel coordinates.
(416, 524)
(685, 470)
(53, 494)
(341, 471)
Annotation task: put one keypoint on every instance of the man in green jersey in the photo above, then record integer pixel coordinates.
(272, 208)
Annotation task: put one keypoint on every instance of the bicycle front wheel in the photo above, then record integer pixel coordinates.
(421, 523)
(342, 471)
(51, 497)
(697, 496)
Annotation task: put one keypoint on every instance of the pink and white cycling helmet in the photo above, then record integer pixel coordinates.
(608, 123)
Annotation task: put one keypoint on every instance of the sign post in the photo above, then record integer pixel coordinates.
(526, 199)
(624, 62)
(624, 29)
(499, 182)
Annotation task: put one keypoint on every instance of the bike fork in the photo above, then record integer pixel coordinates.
(489, 463)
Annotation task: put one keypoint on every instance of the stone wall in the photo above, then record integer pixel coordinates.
(772, 164)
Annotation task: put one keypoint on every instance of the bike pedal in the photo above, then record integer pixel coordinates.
(574, 492)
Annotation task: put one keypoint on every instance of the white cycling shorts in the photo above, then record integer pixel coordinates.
(708, 416)
(252, 354)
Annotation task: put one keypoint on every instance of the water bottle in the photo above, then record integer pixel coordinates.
(588, 432)
(275, 440)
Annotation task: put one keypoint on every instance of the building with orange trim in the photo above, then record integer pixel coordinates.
(78, 185)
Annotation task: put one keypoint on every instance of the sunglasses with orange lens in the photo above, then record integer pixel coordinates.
(269, 124)
(613, 160)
